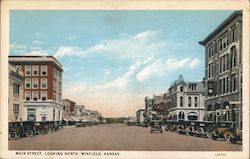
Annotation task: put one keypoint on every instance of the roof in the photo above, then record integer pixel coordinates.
(15, 59)
(221, 26)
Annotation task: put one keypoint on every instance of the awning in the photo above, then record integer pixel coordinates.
(72, 118)
(65, 119)
(192, 114)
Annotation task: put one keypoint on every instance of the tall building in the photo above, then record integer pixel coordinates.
(16, 88)
(186, 100)
(42, 88)
(223, 71)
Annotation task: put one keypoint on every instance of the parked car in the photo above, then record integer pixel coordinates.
(171, 125)
(220, 129)
(233, 135)
(82, 124)
(202, 128)
(58, 125)
(40, 128)
(156, 126)
(21, 129)
(28, 128)
(15, 130)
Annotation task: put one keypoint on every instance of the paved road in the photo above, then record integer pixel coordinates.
(119, 137)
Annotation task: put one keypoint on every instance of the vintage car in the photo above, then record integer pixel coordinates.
(171, 125)
(155, 126)
(201, 128)
(28, 128)
(233, 135)
(20, 129)
(40, 128)
(219, 129)
(15, 130)
(58, 125)
(181, 126)
(82, 124)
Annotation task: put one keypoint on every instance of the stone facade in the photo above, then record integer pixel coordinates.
(186, 100)
(223, 71)
(16, 87)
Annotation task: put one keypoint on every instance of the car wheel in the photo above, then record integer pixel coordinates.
(29, 133)
(227, 136)
(233, 140)
(49, 130)
(214, 137)
(12, 135)
(39, 132)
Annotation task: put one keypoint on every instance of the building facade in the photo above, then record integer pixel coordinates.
(223, 71)
(16, 89)
(186, 100)
(68, 108)
(140, 116)
(42, 87)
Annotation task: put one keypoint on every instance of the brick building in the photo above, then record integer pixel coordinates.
(43, 87)
(223, 71)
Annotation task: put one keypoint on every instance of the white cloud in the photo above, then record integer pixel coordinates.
(37, 42)
(39, 35)
(71, 37)
(134, 47)
(15, 46)
(69, 51)
(194, 63)
(122, 81)
(107, 72)
(162, 67)
(38, 52)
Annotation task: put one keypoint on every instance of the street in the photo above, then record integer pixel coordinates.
(119, 137)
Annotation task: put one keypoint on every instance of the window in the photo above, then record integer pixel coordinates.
(27, 96)
(54, 85)
(16, 108)
(215, 47)
(210, 70)
(233, 83)
(27, 83)
(181, 88)
(233, 34)
(43, 118)
(34, 83)
(27, 70)
(233, 57)
(35, 70)
(16, 88)
(181, 101)
(210, 51)
(54, 96)
(224, 85)
(43, 83)
(223, 42)
(189, 101)
(192, 87)
(43, 70)
(35, 96)
(31, 117)
(224, 63)
(195, 101)
(44, 95)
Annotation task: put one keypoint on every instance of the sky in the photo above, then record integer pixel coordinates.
(113, 59)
